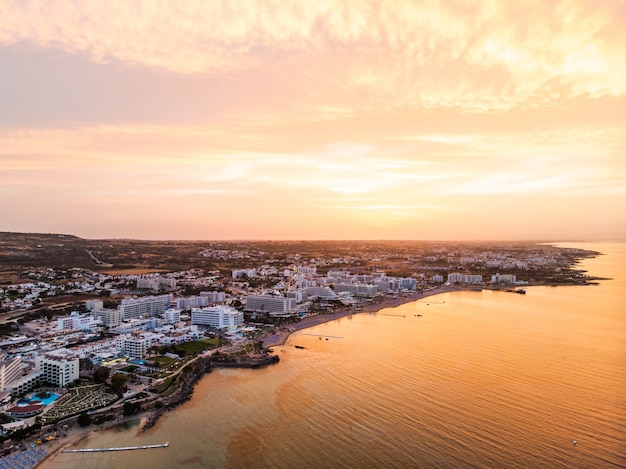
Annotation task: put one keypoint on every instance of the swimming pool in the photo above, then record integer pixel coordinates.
(33, 398)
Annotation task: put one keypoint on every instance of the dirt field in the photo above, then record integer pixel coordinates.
(137, 271)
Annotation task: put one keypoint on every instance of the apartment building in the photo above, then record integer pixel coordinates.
(77, 321)
(109, 317)
(464, 278)
(214, 296)
(503, 278)
(59, 370)
(191, 302)
(171, 316)
(156, 283)
(10, 370)
(134, 345)
(148, 306)
(274, 305)
(220, 317)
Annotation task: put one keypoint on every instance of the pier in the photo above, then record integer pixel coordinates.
(125, 448)
(320, 335)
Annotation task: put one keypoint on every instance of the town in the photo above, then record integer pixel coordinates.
(96, 330)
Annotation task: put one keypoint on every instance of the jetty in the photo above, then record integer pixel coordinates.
(320, 335)
(124, 448)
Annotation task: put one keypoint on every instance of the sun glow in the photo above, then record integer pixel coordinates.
(341, 120)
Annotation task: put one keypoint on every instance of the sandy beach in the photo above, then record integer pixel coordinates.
(281, 336)
(77, 434)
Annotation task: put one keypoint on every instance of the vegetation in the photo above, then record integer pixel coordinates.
(131, 408)
(101, 375)
(164, 386)
(8, 328)
(129, 368)
(85, 364)
(118, 383)
(19, 435)
(84, 420)
(185, 349)
(162, 361)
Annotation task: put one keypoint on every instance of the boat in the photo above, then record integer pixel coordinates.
(521, 291)
(298, 346)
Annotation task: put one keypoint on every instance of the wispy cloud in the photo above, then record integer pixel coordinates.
(360, 55)
(389, 116)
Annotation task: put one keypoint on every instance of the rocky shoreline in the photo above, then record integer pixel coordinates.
(191, 374)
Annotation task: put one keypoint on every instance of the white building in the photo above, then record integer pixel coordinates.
(10, 371)
(109, 317)
(220, 317)
(132, 308)
(464, 278)
(274, 305)
(299, 295)
(58, 369)
(244, 273)
(24, 383)
(500, 278)
(77, 321)
(192, 302)
(94, 305)
(156, 283)
(134, 345)
(406, 283)
(337, 276)
(321, 292)
(361, 289)
(171, 316)
(214, 296)
(306, 270)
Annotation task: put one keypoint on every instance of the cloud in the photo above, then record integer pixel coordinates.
(358, 55)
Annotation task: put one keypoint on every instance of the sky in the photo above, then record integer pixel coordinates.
(426, 120)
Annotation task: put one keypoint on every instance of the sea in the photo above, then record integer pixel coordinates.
(459, 380)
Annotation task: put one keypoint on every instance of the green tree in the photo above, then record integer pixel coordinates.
(84, 420)
(118, 383)
(131, 408)
(85, 364)
(101, 374)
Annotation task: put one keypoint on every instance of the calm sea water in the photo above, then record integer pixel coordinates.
(479, 380)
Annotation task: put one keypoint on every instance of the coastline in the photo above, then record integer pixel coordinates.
(77, 434)
(280, 337)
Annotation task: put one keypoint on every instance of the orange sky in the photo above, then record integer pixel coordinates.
(314, 120)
